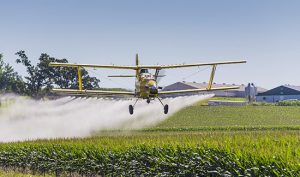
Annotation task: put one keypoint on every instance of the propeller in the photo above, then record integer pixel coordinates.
(159, 74)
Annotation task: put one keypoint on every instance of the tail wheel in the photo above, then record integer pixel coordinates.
(166, 109)
(130, 109)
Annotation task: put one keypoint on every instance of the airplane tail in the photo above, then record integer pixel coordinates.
(137, 59)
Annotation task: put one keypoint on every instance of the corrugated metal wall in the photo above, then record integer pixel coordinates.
(276, 98)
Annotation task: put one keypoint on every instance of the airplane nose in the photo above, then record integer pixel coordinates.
(153, 90)
(152, 87)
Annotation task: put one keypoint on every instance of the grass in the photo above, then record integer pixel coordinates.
(228, 99)
(6, 102)
(11, 173)
(224, 117)
(288, 103)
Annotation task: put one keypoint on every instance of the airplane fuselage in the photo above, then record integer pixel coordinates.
(146, 85)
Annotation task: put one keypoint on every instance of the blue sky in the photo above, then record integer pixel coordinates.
(266, 33)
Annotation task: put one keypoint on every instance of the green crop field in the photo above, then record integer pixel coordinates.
(198, 140)
(233, 117)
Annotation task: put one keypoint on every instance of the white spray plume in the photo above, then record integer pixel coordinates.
(27, 119)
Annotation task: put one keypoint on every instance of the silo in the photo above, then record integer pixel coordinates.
(251, 92)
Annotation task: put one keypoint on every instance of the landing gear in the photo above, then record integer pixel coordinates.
(166, 109)
(130, 109)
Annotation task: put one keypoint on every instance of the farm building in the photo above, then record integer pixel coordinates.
(224, 93)
(284, 92)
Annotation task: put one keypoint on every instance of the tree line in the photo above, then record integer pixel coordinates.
(41, 78)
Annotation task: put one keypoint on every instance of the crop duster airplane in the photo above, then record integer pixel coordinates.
(146, 83)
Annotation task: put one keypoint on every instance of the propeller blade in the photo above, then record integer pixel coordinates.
(160, 75)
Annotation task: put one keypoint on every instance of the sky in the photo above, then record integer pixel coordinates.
(266, 33)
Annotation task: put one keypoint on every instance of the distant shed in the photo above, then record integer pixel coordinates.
(283, 92)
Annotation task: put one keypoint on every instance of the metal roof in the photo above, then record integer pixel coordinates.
(204, 85)
(293, 87)
(282, 90)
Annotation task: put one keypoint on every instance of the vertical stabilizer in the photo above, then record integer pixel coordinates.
(137, 59)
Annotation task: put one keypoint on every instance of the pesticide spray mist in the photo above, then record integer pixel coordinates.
(26, 119)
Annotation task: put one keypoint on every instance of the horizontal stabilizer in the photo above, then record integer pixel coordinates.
(132, 76)
(122, 76)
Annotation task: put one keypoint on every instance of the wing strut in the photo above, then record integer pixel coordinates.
(79, 78)
(212, 75)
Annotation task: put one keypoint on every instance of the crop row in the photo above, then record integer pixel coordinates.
(139, 160)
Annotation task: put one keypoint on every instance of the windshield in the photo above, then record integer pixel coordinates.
(144, 71)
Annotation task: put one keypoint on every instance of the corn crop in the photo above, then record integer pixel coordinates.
(160, 154)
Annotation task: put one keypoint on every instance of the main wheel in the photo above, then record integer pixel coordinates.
(166, 109)
(148, 101)
(130, 109)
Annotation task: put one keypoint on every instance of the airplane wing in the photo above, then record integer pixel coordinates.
(74, 65)
(98, 92)
(190, 65)
(196, 90)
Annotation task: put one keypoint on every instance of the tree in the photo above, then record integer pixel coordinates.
(41, 77)
(10, 81)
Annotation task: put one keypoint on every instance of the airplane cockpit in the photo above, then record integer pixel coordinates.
(144, 71)
(146, 74)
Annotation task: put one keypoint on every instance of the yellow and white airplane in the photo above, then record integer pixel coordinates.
(146, 83)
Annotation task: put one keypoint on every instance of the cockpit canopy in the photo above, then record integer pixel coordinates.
(144, 71)
(145, 74)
